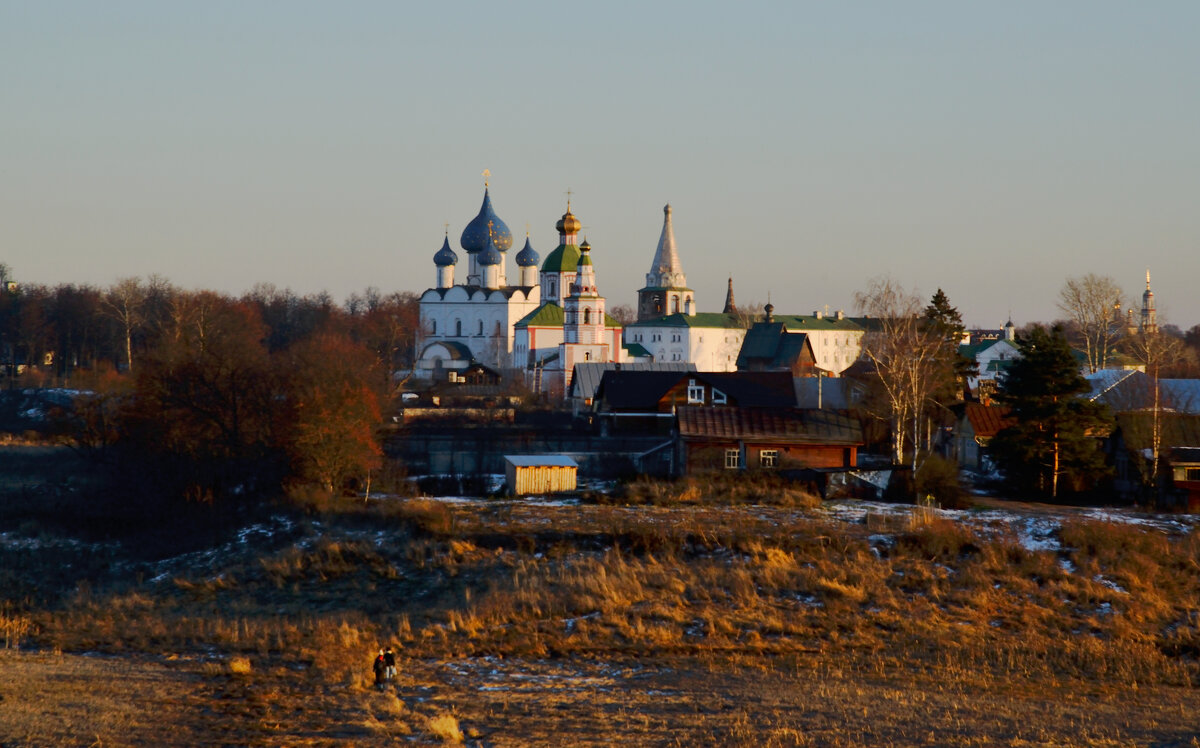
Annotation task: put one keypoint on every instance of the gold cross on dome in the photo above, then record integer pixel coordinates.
(487, 174)
(569, 193)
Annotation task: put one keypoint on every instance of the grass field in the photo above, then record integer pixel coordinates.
(675, 616)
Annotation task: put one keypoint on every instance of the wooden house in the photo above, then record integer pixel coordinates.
(646, 401)
(737, 438)
(1185, 476)
(975, 427)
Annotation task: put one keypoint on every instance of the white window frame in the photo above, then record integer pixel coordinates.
(768, 458)
(695, 393)
(733, 459)
(718, 397)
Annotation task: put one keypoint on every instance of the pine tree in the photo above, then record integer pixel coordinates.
(948, 323)
(1056, 429)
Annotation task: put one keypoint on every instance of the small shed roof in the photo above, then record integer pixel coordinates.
(540, 461)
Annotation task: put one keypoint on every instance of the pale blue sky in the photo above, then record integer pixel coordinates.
(990, 149)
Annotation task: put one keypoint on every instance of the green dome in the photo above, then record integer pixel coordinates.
(564, 259)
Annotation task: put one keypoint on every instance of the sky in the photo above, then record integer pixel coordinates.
(989, 149)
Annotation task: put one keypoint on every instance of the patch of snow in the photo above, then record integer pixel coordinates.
(1110, 584)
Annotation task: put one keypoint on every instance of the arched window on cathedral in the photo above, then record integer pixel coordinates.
(496, 333)
(587, 316)
(433, 327)
(480, 328)
(458, 328)
(552, 294)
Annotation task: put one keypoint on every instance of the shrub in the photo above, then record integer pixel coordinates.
(445, 726)
(938, 477)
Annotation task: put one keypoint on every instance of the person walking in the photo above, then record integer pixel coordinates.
(389, 664)
(380, 670)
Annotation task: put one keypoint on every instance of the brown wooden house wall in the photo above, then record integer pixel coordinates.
(702, 456)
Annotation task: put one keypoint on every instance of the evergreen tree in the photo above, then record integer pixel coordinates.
(947, 323)
(1056, 429)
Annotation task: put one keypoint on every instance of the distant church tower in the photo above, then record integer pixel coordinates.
(584, 338)
(1149, 316)
(666, 290)
(730, 307)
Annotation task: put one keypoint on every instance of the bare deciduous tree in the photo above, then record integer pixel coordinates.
(1093, 304)
(903, 350)
(1155, 350)
(124, 303)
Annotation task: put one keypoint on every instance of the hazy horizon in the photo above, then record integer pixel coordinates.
(991, 151)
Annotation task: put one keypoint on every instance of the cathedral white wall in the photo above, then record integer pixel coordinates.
(461, 316)
(709, 348)
(835, 350)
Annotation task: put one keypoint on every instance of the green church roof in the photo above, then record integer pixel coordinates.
(700, 319)
(550, 314)
(564, 259)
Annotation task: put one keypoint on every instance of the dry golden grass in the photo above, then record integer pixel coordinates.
(445, 727)
(701, 622)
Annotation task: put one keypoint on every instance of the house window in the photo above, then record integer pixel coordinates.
(587, 355)
(1192, 473)
(768, 458)
(718, 396)
(733, 459)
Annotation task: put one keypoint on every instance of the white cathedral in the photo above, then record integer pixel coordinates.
(544, 325)
(555, 318)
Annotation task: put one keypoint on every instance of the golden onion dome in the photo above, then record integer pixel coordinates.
(568, 224)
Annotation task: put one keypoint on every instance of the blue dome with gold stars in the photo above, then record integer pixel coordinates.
(491, 254)
(527, 257)
(486, 224)
(445, 256)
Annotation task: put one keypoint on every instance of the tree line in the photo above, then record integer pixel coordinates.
(212, 398)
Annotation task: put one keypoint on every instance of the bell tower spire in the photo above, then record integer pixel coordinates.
(666, 290)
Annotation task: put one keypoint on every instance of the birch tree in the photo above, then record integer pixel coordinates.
(903, 350)
(124, 303)
(1093, 303)
(1154, 350)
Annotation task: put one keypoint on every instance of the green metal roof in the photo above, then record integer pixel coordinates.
(637, 350)
(805, 322)
(550, 314)
(700, 319)
(793, 322)
(564, 259)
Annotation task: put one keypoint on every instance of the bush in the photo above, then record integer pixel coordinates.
(938, 477)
